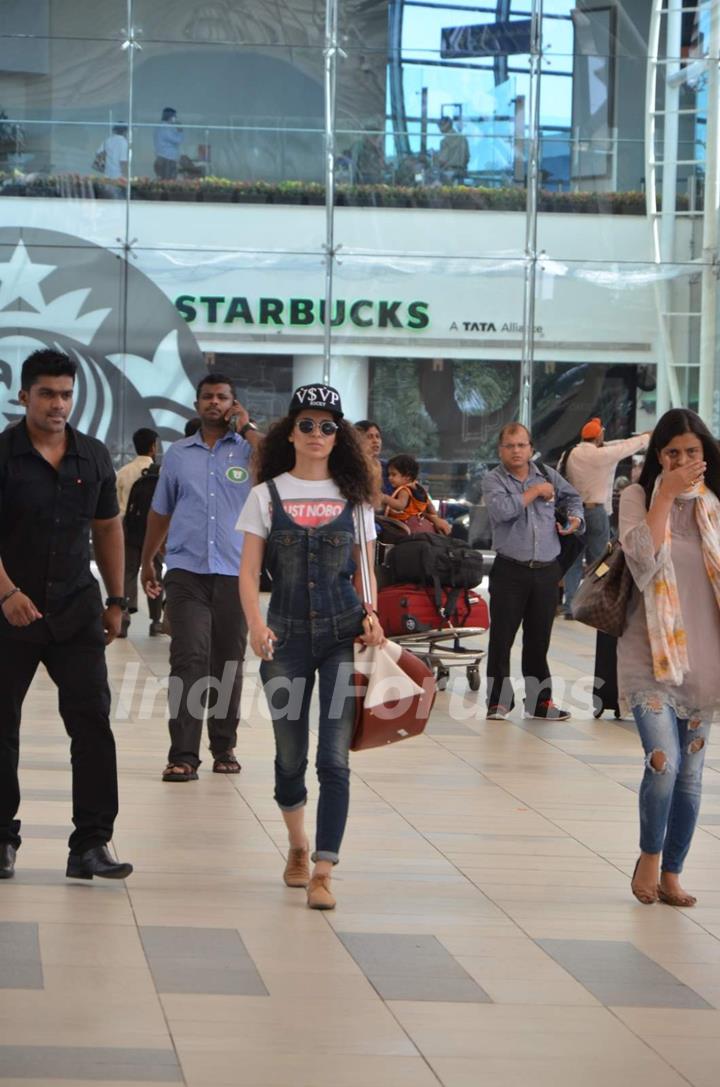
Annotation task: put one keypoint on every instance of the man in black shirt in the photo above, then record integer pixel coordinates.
(56, 485)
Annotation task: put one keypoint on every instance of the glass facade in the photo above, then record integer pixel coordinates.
(458, 213)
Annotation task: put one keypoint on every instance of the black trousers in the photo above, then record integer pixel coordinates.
(207, 649)
(519, 594)
(77, 668)
(132, 569)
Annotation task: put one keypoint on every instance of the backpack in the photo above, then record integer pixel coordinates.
(138, 507)
(440, 561)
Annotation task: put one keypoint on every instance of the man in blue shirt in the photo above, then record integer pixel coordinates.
(524, 578)
(167, 139)
(203, 485)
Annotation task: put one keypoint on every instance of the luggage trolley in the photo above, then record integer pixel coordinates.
(409, 614)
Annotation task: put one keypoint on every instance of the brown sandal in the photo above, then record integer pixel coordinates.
(179, 771)
(671, 899)
(226, 764)
(648, 898)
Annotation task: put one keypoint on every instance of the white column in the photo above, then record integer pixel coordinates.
(348, 374)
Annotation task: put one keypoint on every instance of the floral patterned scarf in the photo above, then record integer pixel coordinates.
(666, 629)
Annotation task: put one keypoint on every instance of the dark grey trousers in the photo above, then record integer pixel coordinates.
(207, 649)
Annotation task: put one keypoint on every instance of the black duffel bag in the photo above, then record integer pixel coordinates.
(440, 561)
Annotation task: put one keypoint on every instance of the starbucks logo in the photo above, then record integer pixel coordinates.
(237, 475)
(58, 290)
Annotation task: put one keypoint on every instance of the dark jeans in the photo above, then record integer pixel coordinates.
(132, 569)
(288, 680)
(207, 648)
(519, 594)
(165, 169)
(77, 668)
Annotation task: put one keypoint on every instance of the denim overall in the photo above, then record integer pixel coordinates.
(315, 614)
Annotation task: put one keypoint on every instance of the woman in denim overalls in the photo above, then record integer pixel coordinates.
(299, 523)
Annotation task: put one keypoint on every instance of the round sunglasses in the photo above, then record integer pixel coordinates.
(327, 428)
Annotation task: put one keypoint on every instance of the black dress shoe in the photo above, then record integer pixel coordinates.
(96, 862)
(7, 860)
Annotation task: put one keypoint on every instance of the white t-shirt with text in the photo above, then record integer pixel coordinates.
(309, 502)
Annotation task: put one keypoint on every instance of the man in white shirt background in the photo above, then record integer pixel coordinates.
(115, 149)
(590, 468)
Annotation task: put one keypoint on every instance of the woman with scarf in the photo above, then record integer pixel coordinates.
(669, 654)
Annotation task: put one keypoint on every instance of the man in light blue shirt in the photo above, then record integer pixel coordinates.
(167, 138)
(203, 485)
(521, 504)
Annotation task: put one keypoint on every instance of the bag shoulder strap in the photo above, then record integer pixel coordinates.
(359, 518)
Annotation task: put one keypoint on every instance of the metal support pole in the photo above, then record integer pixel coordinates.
(709, 401)
(533, 174)
(330, 54)
(667, 380)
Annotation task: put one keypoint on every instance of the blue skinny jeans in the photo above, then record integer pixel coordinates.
(671, 788)
(304, 650)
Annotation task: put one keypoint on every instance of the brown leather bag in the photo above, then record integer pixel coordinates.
(395, 694)
(602, 599)
(395, 689)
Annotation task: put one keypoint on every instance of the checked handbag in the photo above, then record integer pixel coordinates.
(602, 598)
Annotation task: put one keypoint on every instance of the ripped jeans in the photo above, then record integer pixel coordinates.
(671, 786)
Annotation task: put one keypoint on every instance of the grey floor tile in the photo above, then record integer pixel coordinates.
(46, 830)
(30, 762)
(613, 760)
(712, 819)
(200, 961)
(449, 728)
(436, 989)
(47, 794)
(55, 877)
(20, 962)
(172, 977)
(618, 974)
(404, 967)
(77, 1064)
(554, 731)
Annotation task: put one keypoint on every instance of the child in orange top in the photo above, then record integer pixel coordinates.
(409, 498)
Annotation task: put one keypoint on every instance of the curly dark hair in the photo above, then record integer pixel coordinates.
(347, 464)
(671, 425)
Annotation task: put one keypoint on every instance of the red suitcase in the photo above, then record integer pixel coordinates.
(411, 609)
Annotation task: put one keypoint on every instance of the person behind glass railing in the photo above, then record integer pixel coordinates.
(668, 655)
(167, 138)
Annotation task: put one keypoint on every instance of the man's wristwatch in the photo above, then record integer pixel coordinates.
(250, 425)
(118, 602)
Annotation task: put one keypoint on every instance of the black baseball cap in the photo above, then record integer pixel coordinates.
(320, 397)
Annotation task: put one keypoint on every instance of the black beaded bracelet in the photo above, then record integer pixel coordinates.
(8, 594)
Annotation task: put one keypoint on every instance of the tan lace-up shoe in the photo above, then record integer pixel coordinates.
(319, 895)
(297, 869)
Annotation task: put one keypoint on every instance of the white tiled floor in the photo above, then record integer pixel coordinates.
(489, 836)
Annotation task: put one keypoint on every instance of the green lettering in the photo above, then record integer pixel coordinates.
(239, 310)
(418, 316)
(271, 310)
(301, 311)
(212, 301)
(361, 322)
(184, 308)
(338, 317)
(387, 315)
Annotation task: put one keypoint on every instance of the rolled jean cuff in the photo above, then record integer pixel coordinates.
(325, 855)
(292, 807)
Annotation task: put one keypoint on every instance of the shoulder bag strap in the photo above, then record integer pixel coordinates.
(359, 517)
